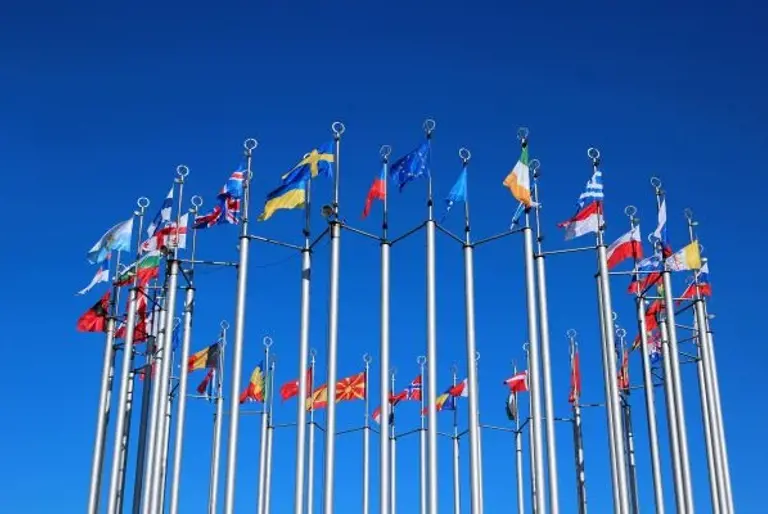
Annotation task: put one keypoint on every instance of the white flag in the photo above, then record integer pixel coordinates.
(102, 275)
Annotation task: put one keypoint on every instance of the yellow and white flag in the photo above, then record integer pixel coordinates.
(519, 180)
(687, 258)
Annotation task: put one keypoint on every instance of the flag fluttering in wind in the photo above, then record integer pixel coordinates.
(287, 196)
(410, 166)
(593, 191)
(650, 267)
(117, 238)
(161, 219)
(205, 358)
(685, 259)
(227, 210)
(518, 181)
(701, 283)
(319, 398)
(378, 191)
(623, 375)
(518, 383)
(257, 386)
(95, 318)
(586, 221)
(143, 321)
(291, 389)
(317, 162)
(147, 268)
(460, 390)
(102, 275)
(173, 235)
(628, 246)
(660, 234)
(458, 192)
(575, 393)
(351, 388)
(511, 406)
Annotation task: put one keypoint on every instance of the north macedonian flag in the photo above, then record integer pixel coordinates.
(351, 388)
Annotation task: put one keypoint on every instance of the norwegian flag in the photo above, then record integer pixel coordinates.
(227, 211)
(413, 391)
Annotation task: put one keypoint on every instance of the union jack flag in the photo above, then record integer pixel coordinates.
(227, 211)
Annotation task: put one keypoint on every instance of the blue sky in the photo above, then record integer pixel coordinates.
(102, 101)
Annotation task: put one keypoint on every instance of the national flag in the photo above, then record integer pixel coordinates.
(444, 401)
(410, 166)
(206, 382)
(511, 406)
(102, 275)
(458, 192)
(654, 346)
(701, 283)
(351, 388)
(171, 236)
(518, 181)
(586, 221)
(95, 318)
(227, 209)
(518, 383)
(204, 359)
(377, 416)
(163, 215)
(147, 268)
(317, 162)
(593, 191)
(287, 196)
(687, 258)
(623, 376)
(460, 389)
(414, 389)
(378, 191)
(117, 238)
(318, 399)
(291, 389)
(627, 246)
(660, 234)
(575, 393)
(233, 187)
(393, 400)
(143, 321)
(650, 267)
(256, 388)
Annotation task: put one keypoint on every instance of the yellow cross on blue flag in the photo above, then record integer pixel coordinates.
(317, 162)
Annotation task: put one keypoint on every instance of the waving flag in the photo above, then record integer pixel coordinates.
(586, 221)
(414, 389)
(411, 166)
(378, 191)
(287, 196)
(163, 215)
(593, 192)
(102, 275)
(687, 258)
(660, 234)
(518, 383)
(519, 179)
(116, 238)
(351, 388)
(460, 389)
(204, 359)
(291, 389)
(95, 318)
(317, 162)
(458, 192)
(703, 285)
(227, 209)
(256, 388)
(627, 246)
(651, 269)
(318, 399)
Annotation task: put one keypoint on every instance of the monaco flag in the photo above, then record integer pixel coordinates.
(627, 246)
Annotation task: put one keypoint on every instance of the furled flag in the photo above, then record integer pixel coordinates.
(575, 393)
(319, 398)
(654, 346)
(518, 383)
(351, 388)
(511, 406)
(162, 217)
(143, 323)
(593, 191)
(458, 192)
(170, 236)
(317, 162)
(519, 179)
(102, 275)
(287, 196)
(256, 389)
(95, 318)
(205, 384)
(660, 234)
(378, 191)
(460, 389)
(627, 246)
(687, 258)
(623, 376)
(291, 389)
(227, 210)
(586, 221)
(701, 283)
(147, 268)
(410, 166)
(116, 238)
(204, 359)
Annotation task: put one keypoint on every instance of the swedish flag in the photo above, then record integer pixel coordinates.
(317, 162)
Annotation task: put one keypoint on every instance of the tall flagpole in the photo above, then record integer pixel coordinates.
(674, 361)
(629, 437)
(126, 441)
(518, 453)
(392, 454)
(213, 488)
(384, 370)
(270, 437)
(156, 482)
(479, 435)
(333, 328)
(578, 440)
(264, 427)
(609, 363)
(455, 441)
(366, 440)
(549, 409)
(311, 438)
(472, 380)
(533, 353)
(166, 444)
(105, 397)
(301, 408)
(429, 128)
(648, 387)
(125, 378)
(237, 350)
(531, 445)
(421, 360)
(714, 486)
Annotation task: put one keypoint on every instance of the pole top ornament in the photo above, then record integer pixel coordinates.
(594, 154)
(621, 332)
(614, 316)
(421, 360)
(338, 129)
(465, 155)
(393, 371)
(571, 333)
(224, 324)
(143, 203)
(535, 166)
(367, 358)
(267, 341)
(250, 144)
(656, 183)
(526, 345)
(454, 369)
(522, 134)
(688, 213)
(197, 202)
(385, 151)
(630, 211)
(429, 126)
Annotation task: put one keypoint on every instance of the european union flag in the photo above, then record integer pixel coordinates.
(411, 166)
(458, 192)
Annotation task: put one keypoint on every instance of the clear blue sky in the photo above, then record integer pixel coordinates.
(100, 102)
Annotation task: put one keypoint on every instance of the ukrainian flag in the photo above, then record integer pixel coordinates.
(287, 196)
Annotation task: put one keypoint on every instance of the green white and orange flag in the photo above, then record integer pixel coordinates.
(519, 180)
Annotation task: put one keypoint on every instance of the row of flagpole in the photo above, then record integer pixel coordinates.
(155, 425)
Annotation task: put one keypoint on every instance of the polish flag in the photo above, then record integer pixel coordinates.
(628, 245)
(586, 221)
(518, 383)
(460, 389)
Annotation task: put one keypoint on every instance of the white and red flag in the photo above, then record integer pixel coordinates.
(627, 246)
(518, 383)
(586, 221)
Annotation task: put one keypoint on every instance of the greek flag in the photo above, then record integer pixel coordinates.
(594, 190)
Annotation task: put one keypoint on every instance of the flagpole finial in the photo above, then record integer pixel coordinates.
(614, 316)
(224, 324)
(688, 213)
(367, 359)
(250, 144)
(622, 333)
(630, 211)
(421, 360)
(535, 166)
(429, 126)
(197, 202)
(571, 334)
(522, 134)
(338, 129)
(525, 347)
(393, 371)
(267, 341)
(143, 203)
(385, 151)
(465, 155)
(182, 170)
(594, 154)
(454, 369)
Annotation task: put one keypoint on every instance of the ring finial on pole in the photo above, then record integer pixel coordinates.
(250, 144)
(384, 152)
(429, 126)
(465, 155)
(267, 341)
(338, 129)
(224, 324)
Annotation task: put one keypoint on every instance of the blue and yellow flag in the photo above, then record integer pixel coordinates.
(317, 162)
(287, 196)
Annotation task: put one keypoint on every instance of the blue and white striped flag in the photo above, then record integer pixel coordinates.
(594, 190)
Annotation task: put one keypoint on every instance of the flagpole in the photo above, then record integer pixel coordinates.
(629, 438)
(455, 440)
(366, 441)
(213, 489)
(675, 369)
(531, 445)
(518, 453)
(472, 380)
(609, 363)
(385, 440)
(549, 409)
(237, 350)
(311, 438)
(479, 436)
(648, 388)
(533, 351)
(157, 479)
(263, 439)
(105, 397)
(392, 453)
(125, 371)
(714, 485)
(270, 437)
(578, 440)
(333, 328)
(126, 440)
(421, 360)
(166, 444)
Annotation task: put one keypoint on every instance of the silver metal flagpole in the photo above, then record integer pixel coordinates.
(479, 435)
(629, 438)
(429, 128)
(549, 409)
(385, 439)
(105, 397)
(392, 454)
(518, 453)
(237, 350)
(213, 489)
(126, 441)
(311, 437)
(650, 404)
(674, 361)
(714, 486)
(366, 441)
(609, 345)
(264, 427)
(333, 328)
(455, 440)
(578, 440)
(270, 438)
(531, 445)
(301, 408)
(472, 380)
(125, 385)
(533, 352)
(421, 360)
(156, 482)
(166, 445)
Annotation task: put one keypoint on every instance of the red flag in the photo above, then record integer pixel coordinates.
(518, 383)
(291, 389)
(378, 191)
(623, 377)
(95, 318)
(575, 378)
(207, 380)
(627, 246)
